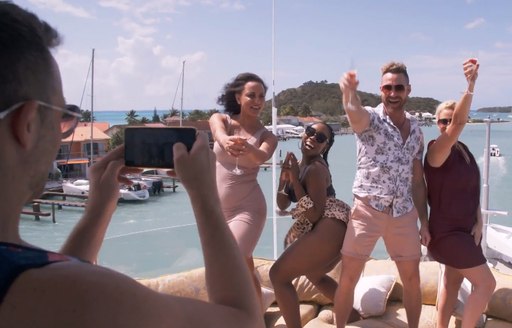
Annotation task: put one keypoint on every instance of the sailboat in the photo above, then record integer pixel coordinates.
(181, 81)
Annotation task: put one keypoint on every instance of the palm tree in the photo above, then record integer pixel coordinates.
(156, 118)
(132, 117)
(86, 116)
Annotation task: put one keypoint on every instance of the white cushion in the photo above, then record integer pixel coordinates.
(371, 294)
(267, 297)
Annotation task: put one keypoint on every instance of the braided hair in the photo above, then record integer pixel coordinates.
(330, 141)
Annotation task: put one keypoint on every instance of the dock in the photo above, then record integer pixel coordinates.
(59, 203)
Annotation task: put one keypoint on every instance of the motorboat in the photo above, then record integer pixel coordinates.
(136, 191)
(494, 151)
(286, 131)
(77, 187)
(153, 184)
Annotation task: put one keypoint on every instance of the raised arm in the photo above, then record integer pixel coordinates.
(438, 152)
(84, 295)
(87, 236)
(358, 117)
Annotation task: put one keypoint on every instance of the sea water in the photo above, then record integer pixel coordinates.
(159, 236)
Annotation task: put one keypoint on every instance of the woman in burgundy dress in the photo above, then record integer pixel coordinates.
(455, 222)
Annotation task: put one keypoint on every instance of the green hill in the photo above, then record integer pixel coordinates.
(495, 109)
(324, 99)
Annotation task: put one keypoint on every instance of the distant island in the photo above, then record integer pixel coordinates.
(507, 109)
(323, 99)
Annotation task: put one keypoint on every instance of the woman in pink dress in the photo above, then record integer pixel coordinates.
(455, 221)
(242, 144)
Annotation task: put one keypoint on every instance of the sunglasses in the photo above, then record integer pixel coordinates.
(444, 121)
(68, 121)
(396, 87)
(319, 136)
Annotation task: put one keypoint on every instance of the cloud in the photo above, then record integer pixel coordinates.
(232, 5)
(502, 45)
(62, 6)
(235, 5)
(474, 24)
(418, 36)
(122, 5)
(137, 30)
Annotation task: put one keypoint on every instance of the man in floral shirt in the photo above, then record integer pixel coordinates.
(389, 190)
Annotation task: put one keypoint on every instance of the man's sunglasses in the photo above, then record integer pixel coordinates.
(319, 136)
(69, 119)
(396, 87)
(444, 121)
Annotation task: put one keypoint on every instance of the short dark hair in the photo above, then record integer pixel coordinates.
(25, 57)
(395, 68)
(231, 89)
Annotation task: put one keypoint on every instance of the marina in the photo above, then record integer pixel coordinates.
(159, 236)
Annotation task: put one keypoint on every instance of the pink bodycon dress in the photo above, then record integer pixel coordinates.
(241, 197)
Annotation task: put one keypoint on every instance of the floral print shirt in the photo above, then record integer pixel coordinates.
(384, 163)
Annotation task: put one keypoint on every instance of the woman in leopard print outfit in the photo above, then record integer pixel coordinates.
(315, 239)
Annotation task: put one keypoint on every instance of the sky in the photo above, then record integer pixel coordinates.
(140, 46)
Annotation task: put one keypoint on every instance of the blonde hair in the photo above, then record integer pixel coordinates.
(445, 105)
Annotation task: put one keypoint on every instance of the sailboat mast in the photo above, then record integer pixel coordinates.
(92, 107)
(182, 86)
(274, 129)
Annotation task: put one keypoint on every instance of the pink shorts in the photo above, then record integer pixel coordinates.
(367, 225)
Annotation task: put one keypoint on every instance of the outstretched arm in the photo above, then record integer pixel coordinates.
(88, 296)
(262, 153)
(86, 238)
(358, 117)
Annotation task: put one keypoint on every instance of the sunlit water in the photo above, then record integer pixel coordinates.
(159, 236)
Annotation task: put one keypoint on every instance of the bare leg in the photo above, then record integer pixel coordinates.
(257, 285)
(483, 283)
(410, 275)
(448, 291)
(325, 284)
(351, 269)
(309, 254)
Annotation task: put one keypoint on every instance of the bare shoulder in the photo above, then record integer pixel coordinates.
(73, 294)
(218, 117)
(318, 167)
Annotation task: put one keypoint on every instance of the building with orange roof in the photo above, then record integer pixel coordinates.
(75, 151)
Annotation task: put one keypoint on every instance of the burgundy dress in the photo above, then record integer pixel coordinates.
(454, 198)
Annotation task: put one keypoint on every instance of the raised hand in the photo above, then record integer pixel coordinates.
(105, 176)
(471, 67)
(196, 169)
(284, 178)
(348, 86)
